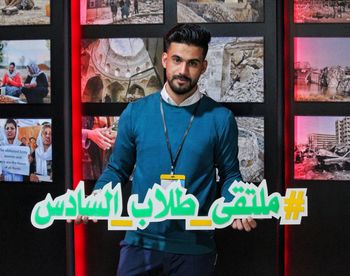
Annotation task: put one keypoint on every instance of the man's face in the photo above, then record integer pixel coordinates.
(11, 68)
(183, 64)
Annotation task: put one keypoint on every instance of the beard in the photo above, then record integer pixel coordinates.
(183, 89)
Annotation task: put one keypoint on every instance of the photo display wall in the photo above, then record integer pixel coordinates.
(120, 51)
(31, 92)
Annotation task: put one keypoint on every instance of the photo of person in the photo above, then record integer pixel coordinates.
(25, 150)
(24, 12)
(120, 69)
(98, 137)
(105, 12)
(25, 71)
(322, 69)
(214, 11)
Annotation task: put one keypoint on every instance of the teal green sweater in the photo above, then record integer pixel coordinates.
(211, 143)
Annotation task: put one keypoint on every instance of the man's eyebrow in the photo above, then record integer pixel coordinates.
(193, 59)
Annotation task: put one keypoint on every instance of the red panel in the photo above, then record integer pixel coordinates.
(79, 233)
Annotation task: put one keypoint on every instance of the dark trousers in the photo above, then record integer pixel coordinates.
(136, 260)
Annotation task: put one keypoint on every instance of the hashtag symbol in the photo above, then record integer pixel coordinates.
(295, 206)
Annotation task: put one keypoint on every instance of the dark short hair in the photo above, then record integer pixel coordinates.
(191, 34)
(12, 63)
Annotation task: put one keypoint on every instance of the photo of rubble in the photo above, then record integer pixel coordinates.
(120, 70)
(235, 70)
(214, 11)
(251, 148)
(25, 72)
(322, 69)
(105, 12)
(322, 11)
(98, 137)
(322, 148)
(21, 12)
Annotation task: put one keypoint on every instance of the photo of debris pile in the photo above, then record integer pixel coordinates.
(251, 148)
(235, 70)
(120, 70)
(24, 12)
(322, 11)
(322, 69)
(98, 137)
(214, 11)
(105, 12)
(322, 148)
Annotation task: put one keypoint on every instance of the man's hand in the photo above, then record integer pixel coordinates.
(246, 224)
(81, 219)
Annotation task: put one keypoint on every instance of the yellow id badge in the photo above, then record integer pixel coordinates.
(166, 180)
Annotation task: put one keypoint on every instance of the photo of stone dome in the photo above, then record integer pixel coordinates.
(235, 70)
(214, 11)
(120, 70)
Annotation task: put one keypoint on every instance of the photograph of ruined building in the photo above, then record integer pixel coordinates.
(322, 148)
(120, 70)
(235, 70)
(213, 11)
(19, 12)
(322, 69)
(322, 11)
(251, 148)
(104, 12)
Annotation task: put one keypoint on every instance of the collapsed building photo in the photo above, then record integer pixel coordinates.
(235, 70)
(322, 11)
(201, 11)
(324, 156)
(120, 70)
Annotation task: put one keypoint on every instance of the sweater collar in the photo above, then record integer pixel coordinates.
(195, 97)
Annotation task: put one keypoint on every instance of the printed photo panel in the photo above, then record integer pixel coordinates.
(103, 12)
(321, 148)
(251, 148)
(235, 70)
(322, 69)
(120, 69)
(215, 11)
(321, 11)
(24, 12)
(25, 71)
(98, 137)
(25, 150)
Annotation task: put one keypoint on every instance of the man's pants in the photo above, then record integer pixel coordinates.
(136, 260)
(13, 91)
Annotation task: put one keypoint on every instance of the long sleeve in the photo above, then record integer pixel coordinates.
(123, 158)
(227, 156)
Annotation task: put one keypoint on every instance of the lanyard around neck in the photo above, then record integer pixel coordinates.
(174, 160)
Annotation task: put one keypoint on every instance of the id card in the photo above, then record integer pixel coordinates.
(166, 180)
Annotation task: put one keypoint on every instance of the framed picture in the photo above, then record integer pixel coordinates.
(322, 69)
(120, 69)
(25, 71)
(251, 148)
(95, 150)
(25, 150)
(24, 12)
(192, 11)
(322, 148)
(321, 11)
(235, 70)
(103, 12)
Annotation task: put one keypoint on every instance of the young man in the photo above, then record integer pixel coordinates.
(12, 81)
(180, 131)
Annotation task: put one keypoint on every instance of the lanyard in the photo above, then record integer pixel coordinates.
(173, 161)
